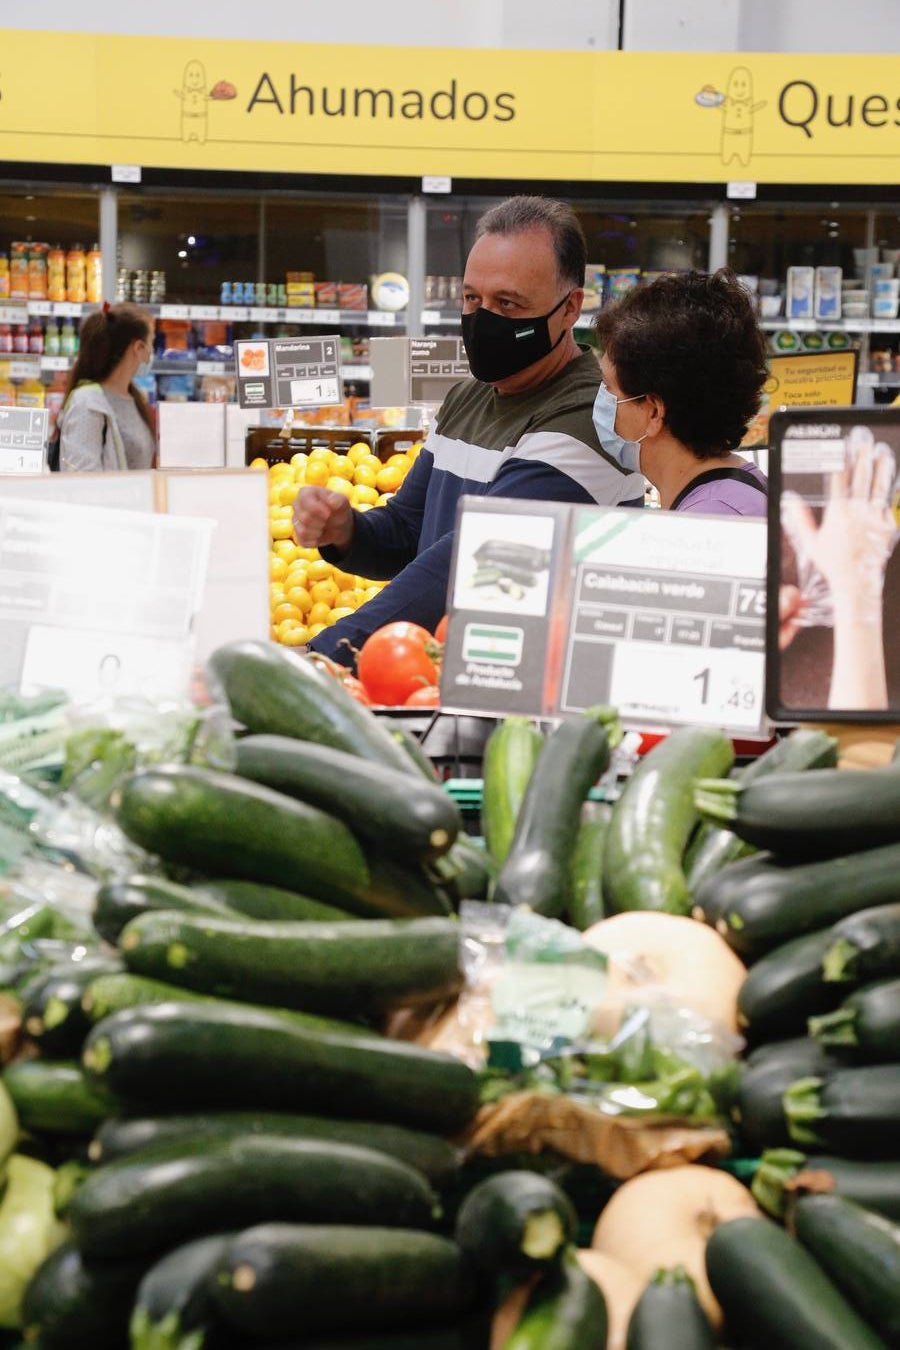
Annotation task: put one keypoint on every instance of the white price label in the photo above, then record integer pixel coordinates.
(55, 362)
(125, 173)
(380, 319)
(24, 370)
(258, 315)
(174, 312)
(210, 312)
(40, 308)
(13, 314)
(213, 368)
(310, 393)
(720, 687)
(431, 316)
(236, 313)
(14, 459)
(67, 309)
(328, 316)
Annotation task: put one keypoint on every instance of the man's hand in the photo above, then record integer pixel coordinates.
(322, 518)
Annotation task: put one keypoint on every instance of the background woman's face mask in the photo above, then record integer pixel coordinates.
(498, 347)
(626, 453)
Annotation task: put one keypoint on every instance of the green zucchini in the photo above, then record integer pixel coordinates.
(854, 1111)
(270, 902)
(759, 903)
(668, 1316)
(219, 823)
(205, 1055)
(338, 1279)
(773, 1293)
(859, 1251)
(151, 1201)
(510, 754)
(758, 1110)
(565, 1311)
(586, 880)
(404, 817)
(411, 747)
(437, 1159)
(71, 1304)
(821, 815)
(173, 1305)
(515, 1223)
(53, 1018)
(865, 946)
(272, 692)
(108, 994)
(783, 1173)
(713, 847)
(118, 901)
(370, 966)
(467, 872)
(866, 1027)
(55, 1097)
(653, 819)
(535, 871)
(786, 987)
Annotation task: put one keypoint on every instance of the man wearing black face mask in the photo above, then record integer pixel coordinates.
(522, 427)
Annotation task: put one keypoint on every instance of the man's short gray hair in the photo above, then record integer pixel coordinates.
(518, 214)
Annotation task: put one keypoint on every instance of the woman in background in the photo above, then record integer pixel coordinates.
(684, 364)
(105, 421)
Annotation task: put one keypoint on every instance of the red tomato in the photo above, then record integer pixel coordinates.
(440, 633)
(356, 689)
(429, 696)
(395, 661)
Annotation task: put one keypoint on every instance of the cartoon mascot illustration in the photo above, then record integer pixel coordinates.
(738, 111)
(194, 101)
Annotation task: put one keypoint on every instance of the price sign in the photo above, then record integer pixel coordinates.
(289, 372)
(23, 436)
(40, 308)
(378, 319)
(67, 309)
(210, 312)
(13, 314)
(174, 312)
(667, 618)
(435, 365)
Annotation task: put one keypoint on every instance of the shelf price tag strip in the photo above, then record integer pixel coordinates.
(660, 614)
(300, 372)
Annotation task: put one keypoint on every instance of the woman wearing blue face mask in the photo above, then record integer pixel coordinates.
(105, 422)
(684, 364)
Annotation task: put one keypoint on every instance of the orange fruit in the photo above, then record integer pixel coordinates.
(286, 611)
(346, 600)
(315, 629)
(389, 479)
(359, 450)
(369, 461)
(344, 581)
(297, 575)
(282, 529)
(292, 634)
(319, 569)
(399, 461)
(287, 493)
(318, 617)
(308, 554)
(365, 475)
(341, 485)
(324, 592)
(285, 548)
(277, 568)
(318, 472)
(342, 466)
(276, 593)
(337, 614)
(300, 598)
(363, 496)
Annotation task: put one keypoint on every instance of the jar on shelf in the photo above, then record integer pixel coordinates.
(76, 275)
(37, 271)
(94, 277)
(56, 274)
(18, 271)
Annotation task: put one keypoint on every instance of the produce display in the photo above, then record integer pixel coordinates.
(307, 593)
(265, 996)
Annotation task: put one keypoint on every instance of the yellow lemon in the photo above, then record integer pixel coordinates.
(318, 472)
(369, 461)
(337, 614)
(365, 475)
(286, 611)
(342, 467)
(282, 529)
(308, 554)
(277, 568)
(315, 629)
(362, 506)
(318, 617)
(359, 450)
(285, 548)
(292, 634)
(399, 461)
(363, 496)
(384, 499)
(343, 580)
(414, 450)
(258, 463)
(299, 461)
(346, 600)
(298, 575)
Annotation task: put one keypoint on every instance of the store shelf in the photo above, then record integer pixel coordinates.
(329, 318)
(162, 366)
(20, 311)
(821, 326)
(449, 318)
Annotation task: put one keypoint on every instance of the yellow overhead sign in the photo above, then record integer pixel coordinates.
(811, 379)
(191, 103)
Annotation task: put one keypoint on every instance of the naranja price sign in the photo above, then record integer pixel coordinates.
(306, 108)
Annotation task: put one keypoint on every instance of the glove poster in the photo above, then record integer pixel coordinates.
(834, 565)
(554, 608)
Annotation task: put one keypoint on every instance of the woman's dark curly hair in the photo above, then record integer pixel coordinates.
(692, 339)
